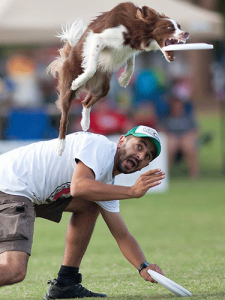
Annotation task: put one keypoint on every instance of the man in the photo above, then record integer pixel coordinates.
(34, 181)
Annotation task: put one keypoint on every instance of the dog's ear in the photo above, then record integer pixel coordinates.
(146, 13)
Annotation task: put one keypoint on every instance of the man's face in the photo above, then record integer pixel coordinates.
(133, 154)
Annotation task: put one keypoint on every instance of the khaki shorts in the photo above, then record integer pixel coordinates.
(17, 216)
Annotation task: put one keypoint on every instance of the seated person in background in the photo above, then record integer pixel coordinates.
(182, 135)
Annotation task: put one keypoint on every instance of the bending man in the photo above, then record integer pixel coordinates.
(36, 182)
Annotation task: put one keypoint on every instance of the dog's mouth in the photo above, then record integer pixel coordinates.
(169, 55)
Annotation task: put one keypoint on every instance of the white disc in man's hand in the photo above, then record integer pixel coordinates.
(169, 284)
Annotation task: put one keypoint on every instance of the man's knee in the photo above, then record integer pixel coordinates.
(18, 275)
(13, 267)
(11, 275)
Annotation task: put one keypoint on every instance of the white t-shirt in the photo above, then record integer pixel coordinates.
(38, 173)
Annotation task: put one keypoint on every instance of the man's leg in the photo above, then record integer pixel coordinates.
(78, 234)
(13, 267)
(17, 218)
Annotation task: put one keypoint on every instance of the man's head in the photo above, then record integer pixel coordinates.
(149, 133)
(136, 149)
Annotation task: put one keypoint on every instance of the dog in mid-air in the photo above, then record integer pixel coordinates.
(92, 53)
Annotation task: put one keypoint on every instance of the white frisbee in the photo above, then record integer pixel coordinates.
(169, 284)
(191, 46)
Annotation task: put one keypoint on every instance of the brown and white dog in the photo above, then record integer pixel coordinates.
(91, 54)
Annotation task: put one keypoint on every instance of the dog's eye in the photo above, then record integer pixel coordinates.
(169, 28)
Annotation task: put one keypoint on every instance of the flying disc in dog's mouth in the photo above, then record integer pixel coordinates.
(191, 46)
(169, 55)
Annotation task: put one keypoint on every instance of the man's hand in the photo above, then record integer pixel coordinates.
(147, 276)
(146, 181)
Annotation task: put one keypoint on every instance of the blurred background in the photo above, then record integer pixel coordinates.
(184, 100)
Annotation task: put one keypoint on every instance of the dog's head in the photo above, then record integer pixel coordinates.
(163, 31)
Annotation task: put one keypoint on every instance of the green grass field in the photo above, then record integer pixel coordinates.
(181, 230)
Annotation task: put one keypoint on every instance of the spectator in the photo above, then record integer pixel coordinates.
(21, 70)
(182, 134)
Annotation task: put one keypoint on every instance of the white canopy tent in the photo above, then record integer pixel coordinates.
(35, 22)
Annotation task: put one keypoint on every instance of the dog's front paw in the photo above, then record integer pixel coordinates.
(75, 85)
(123, 80)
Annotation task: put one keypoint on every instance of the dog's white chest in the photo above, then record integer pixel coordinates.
(107, 49)
(111, 59)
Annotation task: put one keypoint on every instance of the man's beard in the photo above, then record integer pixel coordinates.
(122, 156)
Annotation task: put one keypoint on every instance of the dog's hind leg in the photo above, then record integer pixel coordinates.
(92, 48)
(64, 105)
(91, 99)
(85, 121)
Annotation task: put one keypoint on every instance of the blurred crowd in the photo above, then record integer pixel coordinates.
(157, 96)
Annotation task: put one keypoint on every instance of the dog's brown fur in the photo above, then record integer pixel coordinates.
(143, 25)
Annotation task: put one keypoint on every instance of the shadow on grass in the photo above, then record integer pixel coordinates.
(142, 297)
(220, 295)
(169, 296)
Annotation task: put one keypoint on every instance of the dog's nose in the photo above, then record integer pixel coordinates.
(185, 34)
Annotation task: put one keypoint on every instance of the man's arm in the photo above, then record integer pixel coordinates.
(84, 186)
(127, 243)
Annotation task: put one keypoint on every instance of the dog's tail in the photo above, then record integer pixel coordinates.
(70, 35)
(73, 33)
